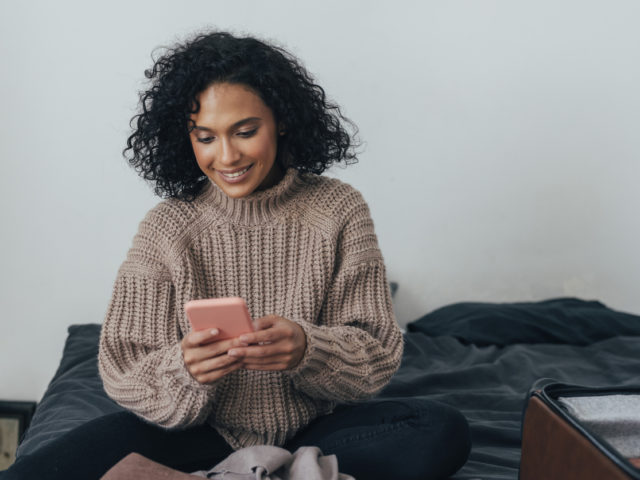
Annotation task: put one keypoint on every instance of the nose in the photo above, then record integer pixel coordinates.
(229, 153)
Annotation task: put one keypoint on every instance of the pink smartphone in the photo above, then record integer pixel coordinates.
(229, 315)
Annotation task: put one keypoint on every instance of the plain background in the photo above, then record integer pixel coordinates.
(500, 158)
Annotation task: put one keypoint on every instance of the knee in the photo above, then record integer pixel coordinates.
(445, 440)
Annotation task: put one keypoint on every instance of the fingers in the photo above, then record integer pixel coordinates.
(269, 329)
(276, 362)
(277, 339)
(196, 338)
(277, 344)
(280, 346)
(199, 345)
(260, 351)
(205, 358)
(214, 369)
(209, 363)
(253, 359)
(202, 337)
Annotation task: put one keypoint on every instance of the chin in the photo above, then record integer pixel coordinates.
(237, 192)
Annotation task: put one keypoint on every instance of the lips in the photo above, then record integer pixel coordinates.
(234, 176)
(236, 171)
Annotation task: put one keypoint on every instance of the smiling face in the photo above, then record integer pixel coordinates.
(235, 140)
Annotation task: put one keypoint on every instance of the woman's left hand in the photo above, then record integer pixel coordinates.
(277, 344)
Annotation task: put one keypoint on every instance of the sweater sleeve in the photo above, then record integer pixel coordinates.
(140, 359)
(356, 347)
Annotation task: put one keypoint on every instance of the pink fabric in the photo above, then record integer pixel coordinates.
(136, 467)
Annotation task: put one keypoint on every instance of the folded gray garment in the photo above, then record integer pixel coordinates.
(264, 462)
(614, 418)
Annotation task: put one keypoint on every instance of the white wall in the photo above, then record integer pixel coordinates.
(501, 158)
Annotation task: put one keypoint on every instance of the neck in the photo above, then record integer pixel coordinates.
(258, 207)
(274, 177)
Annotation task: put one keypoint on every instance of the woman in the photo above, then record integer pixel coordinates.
(234, 134)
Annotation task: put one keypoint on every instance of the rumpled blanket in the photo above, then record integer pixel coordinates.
(264, 462)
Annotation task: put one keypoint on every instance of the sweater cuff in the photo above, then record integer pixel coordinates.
(316, 360)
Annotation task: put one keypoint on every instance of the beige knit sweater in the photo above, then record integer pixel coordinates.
(304, 249)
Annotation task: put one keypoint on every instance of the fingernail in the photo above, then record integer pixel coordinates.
(233, 353)
(214, 331)
(243, 339)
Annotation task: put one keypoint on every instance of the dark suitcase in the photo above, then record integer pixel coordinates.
(575, 432)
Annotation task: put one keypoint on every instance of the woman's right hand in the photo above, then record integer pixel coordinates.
(206, 358)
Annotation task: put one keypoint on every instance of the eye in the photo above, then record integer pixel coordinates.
(247, 133)
(205, 139)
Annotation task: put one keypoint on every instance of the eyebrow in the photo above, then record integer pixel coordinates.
(239, 123)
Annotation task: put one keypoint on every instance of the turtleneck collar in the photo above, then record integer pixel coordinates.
(256, 208)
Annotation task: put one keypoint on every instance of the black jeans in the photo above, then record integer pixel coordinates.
(402, 438)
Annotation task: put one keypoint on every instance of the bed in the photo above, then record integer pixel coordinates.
(481, 358)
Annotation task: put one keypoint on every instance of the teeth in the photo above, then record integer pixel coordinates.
(237, 174)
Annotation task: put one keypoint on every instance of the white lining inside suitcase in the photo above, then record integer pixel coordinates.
(614, 418)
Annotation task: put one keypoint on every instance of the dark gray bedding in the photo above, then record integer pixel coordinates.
(481, 358)
(75, 394)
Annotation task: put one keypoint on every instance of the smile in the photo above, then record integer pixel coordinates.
(235, 174)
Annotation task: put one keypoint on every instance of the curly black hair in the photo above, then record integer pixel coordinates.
(160, 148)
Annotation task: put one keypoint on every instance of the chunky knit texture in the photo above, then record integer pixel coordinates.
(304, 249)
